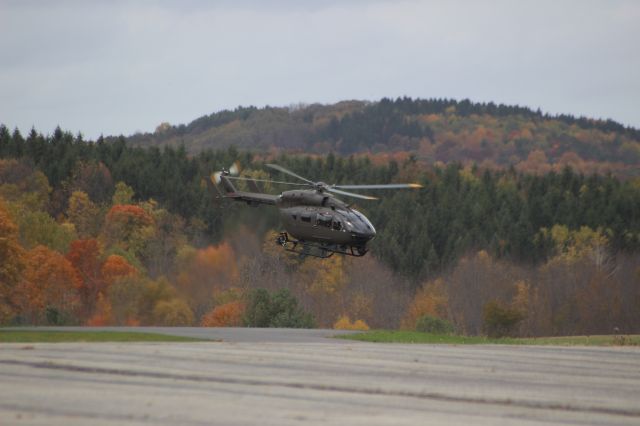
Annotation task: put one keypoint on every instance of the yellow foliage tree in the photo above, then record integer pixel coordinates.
(431, 299)
(174, 313)
(83, 213)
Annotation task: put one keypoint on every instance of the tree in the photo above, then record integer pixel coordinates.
(206, 272)
(12, 264)
(84, 214)
(94, 179)
(279, 309)
(116, 267)
(500, 320)
(123, 194)
(85, 256)
(125, 295)
(39, 228)
(129, 227)
(431, 300)
(50, 283)
(226, 315)
(174, 313)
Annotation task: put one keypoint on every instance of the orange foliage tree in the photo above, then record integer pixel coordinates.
(227, 315)
(205, 273)
(128, 226)
(49, 289)
(85, 256)
(102, 314)
(116, 267)
(12, 262)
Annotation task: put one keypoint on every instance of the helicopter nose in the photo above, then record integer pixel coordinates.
(363, 235)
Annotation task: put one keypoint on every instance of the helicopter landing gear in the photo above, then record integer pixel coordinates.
(321, 250)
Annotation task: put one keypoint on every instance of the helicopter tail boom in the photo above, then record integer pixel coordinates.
(251, 198)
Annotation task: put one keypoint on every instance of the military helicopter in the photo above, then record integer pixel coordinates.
(316, 223)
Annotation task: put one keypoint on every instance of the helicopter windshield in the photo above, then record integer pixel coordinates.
(356, 220)
(364, 220)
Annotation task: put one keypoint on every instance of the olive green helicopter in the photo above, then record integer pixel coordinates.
(316, 223)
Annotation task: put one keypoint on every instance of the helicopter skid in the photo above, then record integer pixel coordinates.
(321, 250)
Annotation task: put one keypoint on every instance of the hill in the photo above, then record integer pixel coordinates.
(432, 130)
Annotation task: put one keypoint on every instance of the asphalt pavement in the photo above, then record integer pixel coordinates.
(286, 377)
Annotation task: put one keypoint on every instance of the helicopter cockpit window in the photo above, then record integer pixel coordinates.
(323, 220)
(337, 226)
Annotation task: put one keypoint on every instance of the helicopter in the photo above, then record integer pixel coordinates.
(316, 223)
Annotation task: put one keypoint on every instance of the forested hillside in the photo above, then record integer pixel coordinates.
(434, 130)
(106, 233)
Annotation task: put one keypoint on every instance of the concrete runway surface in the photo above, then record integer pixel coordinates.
(283, 377)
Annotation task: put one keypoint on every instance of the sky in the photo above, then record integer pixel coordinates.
(115, 67)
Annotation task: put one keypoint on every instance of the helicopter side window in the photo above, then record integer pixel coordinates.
(323, 221)
(294, 217)
(337, 226)
(305, 218)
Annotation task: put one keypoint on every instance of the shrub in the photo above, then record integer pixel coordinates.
(434, 325)
(344, 323)
(174, 313)
(500, 320)
(227, 315)
(279, 309)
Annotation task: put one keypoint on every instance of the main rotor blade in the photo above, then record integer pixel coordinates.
(350, 194)
(380, 186)
(267, 180)
(289, 172)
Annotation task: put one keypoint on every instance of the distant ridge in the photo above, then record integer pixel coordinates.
(433, 130)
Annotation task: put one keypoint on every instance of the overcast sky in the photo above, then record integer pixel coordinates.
(120, 67)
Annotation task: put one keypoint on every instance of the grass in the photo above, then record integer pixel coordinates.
(32, 336)
(385, 336)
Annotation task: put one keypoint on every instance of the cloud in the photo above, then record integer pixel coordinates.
(118, 67)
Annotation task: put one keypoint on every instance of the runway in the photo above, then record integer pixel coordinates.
(286, 377)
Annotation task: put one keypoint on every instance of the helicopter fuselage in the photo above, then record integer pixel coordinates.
(310, 215)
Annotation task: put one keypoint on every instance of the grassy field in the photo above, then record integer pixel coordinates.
(30, 336)
(384, 336)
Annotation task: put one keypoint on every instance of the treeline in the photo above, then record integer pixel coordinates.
(105, 233)
(495, 135)
(460, 208)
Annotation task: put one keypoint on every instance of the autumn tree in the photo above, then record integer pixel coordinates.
(85, 256)
(206, 272)
(174, 312)
(39, 228)
(115, 267)
(225, 315)
(49, 289)
(12, 264)
(84, 214)
(129, 227)
(324, 282)
(123, 194)
(430, 300)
